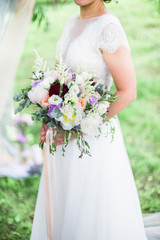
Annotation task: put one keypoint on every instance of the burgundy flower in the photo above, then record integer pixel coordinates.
(55, 89)
(92, 81)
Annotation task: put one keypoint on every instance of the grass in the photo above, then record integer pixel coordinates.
(139, 121)
(17, 204)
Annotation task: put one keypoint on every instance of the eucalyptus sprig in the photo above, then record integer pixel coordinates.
(22, 98)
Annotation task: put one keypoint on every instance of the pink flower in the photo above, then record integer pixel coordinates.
(44, 103)
(68, 77)
(85, 100)
(52, 74)
(55, 75)
(37, 94)
(81, 103)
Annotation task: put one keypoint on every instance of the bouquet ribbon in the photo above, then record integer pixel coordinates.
(48, 198)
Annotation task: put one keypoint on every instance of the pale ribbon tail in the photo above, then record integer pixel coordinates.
(49, 202)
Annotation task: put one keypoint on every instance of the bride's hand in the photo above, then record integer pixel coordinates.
(43, 132)
(58, 138)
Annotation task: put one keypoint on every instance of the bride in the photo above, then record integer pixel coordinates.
(94, 198)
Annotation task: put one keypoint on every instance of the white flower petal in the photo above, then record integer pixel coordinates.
(55, 100)
(37, 94)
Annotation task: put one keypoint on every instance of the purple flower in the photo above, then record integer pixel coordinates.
(73, 76)
(36, 83)
(18, 120)
(21, 138)
(93, 100)
(50, 109)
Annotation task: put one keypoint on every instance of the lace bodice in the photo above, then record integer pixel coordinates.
(81, 41)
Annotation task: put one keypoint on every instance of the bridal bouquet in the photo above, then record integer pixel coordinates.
(68, 101)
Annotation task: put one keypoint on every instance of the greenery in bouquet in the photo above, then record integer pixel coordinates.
(73, 102)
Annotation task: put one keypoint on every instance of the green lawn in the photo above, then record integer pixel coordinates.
(139, 121)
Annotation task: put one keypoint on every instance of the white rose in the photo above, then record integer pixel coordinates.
(70, 118)
(86, 76)
(72, 94)
(90, 124)
(53, 74)
(74, 89)
(37, 94)
(45, 84)
(102, 107)
(48, 80)
(78, 118)
(55, 100)
(68, 111)
(79, 79)
(66, 125)
(68, 97)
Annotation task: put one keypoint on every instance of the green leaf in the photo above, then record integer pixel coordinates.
(18, 97)
(69, 136)
(51, 124)
(54, 134)
(60, 132)
(19, 109)
(56, 113)
(41, 145)
(87, 144)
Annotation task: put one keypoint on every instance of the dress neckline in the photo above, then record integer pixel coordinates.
(92, 18)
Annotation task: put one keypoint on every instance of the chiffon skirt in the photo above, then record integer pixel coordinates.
(93, 198)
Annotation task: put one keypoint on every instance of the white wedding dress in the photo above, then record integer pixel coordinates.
(97, 197)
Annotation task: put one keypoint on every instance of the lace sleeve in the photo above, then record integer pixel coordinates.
(112, 37)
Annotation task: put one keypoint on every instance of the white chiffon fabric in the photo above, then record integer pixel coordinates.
(96, 196)
(15, 16)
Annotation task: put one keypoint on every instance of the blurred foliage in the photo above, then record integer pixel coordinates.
(53, 2)
(139, 121)
(40, 18)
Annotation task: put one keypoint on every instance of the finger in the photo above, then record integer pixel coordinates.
(42, 128)
(43, 133)
(42, 138)
(46, 127)
(59, 142)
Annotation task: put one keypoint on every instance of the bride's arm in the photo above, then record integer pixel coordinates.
(122, 70)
